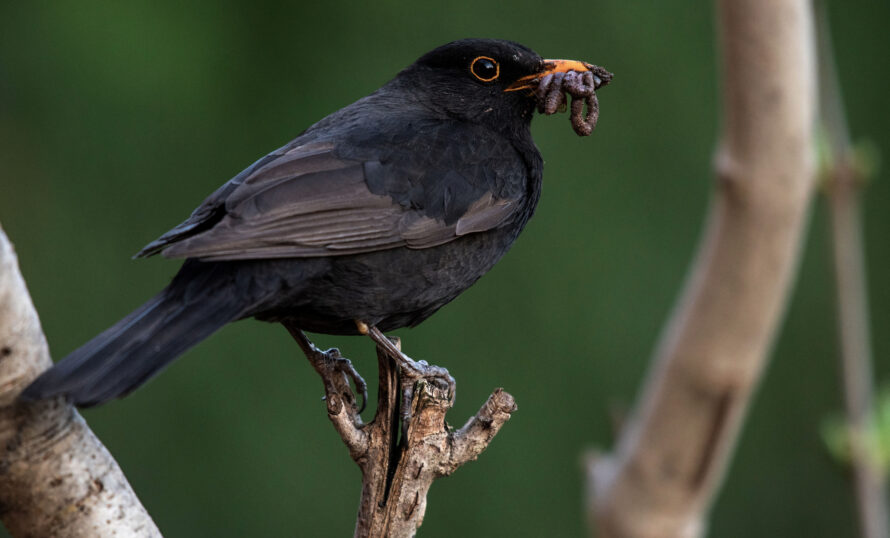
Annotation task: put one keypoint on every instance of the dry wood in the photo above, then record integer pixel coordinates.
(672, 454)
(56, 478)
(397, 471)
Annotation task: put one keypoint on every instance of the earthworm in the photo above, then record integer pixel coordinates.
(552, 89)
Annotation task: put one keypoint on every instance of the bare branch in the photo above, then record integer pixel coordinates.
(398, 472)
(474, 437)
(56, 478)
(671, 457)
(844, 183)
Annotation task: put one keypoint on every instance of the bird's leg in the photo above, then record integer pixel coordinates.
(411, 371)
(330, 359)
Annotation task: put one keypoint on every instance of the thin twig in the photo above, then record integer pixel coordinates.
(844, 187)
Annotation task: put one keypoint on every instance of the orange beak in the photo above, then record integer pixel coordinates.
(551, 67)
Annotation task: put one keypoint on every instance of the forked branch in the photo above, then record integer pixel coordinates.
(400, 456)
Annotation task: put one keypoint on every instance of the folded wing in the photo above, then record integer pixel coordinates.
(305, 201)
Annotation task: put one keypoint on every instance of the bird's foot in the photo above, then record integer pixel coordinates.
(338, 363)
(410, 371)
(331, 361)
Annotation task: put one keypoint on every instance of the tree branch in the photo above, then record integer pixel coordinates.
(671, 457)
(844, 181)
(56, 478)
(398, 472)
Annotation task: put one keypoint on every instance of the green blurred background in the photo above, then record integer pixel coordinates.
(117, 118)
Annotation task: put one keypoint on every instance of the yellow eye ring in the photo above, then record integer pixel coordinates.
(482, 67)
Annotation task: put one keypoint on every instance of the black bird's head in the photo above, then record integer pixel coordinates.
(486, 81)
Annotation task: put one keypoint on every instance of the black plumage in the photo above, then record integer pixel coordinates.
(382, 213)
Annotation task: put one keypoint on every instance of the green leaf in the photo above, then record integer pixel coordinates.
(837, 433)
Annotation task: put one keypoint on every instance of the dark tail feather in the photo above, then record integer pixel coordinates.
(137, 347)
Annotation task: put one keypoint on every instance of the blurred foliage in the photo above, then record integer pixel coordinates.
(865, 158)
(836, 434)
(117, 118)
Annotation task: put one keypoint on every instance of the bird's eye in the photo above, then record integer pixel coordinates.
(485, 69)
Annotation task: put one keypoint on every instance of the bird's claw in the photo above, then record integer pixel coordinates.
(330, 360)
(343, 365)
(411, 372)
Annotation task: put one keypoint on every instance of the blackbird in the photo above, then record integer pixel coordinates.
(370, 220)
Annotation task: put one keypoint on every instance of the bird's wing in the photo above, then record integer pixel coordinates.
(306, 201)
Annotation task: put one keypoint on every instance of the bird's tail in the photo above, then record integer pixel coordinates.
(137, 347)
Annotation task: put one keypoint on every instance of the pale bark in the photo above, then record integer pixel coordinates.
(56, 478)
(672, 454)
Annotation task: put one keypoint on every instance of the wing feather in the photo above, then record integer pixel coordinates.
(304, 201)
